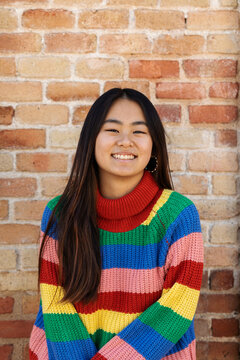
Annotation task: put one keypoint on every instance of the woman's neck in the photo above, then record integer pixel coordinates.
(114, 187)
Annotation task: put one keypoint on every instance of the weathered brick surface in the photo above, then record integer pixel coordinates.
(221, 279)
(7, 67)
(56, 58)
(6, 115)
(22, 139)
(212, 113)
(153, 69)
(42, 162)
(18, 187)
(6, 305)
(208, 68)
(19, 233)
(42, 114)
(70, 43)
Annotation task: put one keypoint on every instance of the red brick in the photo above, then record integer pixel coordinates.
(225, 327)
(225, 90)
(210, 68)
(212, 114)
(22, 139)
(20, 43)
(201, 327)
(15, 329)
(124, 44)
(3, 209)
(19, 234)
(226, 137)
(29, 210)
(6, 305)
(152, 69)
(20, 91)
(216, 256)
(80, 114)
(169, 113)
(221, 279)
(217, 350)
(6, 115)
(7, 66)
(70, 43)
(48, 19)
(71, 91)
(218, 303)
(18, 187)
(223, 351)
(202, 350)
(178, 90)
(179, 45)
(6, 352)
(204, 280)
(42, 162)
(142, 86)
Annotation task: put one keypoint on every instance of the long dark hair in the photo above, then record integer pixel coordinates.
(78, 236)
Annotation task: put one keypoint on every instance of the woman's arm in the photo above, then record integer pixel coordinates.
(58, 332)
(155, 332)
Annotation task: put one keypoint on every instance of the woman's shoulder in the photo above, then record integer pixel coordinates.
(48, 211)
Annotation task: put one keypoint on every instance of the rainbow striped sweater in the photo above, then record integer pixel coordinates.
(152, 262)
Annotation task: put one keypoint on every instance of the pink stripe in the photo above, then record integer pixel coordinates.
(132, 280)
(119, 349)
(38, 343)
(188, 353)
(187, 248)
(50, 249)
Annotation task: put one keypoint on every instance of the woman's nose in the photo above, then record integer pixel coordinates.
(124, 140)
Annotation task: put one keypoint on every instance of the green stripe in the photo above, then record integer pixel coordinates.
(165, 321)
(101, 337)
(155, 231)
(64, 327)
(52, 203)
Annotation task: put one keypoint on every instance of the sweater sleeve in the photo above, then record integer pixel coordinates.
(155, 332)
(58, 332)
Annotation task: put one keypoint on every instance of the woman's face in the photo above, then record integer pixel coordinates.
(124, 145)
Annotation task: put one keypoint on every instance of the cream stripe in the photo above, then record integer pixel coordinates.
(160, 202)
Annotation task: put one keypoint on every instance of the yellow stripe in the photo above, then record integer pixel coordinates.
(160, 202)
(107, 320)
(51, 295)
(181, 299)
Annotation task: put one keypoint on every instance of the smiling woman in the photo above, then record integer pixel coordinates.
(121, 254)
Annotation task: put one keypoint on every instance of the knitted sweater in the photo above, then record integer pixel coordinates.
(152, 262)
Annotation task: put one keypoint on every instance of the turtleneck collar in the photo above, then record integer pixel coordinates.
(130, 204)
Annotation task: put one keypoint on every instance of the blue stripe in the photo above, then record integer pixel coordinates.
(39, 320)
(46, 216)
(73, 350)
(145, 340)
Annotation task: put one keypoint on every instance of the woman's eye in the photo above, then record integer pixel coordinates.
(139, 132)
(112, 130)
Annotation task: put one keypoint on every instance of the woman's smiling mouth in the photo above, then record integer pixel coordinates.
(124, 156)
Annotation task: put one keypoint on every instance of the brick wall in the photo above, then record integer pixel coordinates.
(57, 57)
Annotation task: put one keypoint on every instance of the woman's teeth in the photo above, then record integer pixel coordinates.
(123, 157)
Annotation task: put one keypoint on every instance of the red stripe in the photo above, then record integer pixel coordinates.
(48, 272)
(99, 357)
(187, 273)
(32, 355)
(128, 223)
(119, 301)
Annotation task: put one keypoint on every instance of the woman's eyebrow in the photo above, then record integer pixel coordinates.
(120, 122)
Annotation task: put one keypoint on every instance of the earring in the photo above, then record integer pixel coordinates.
(152, 164)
